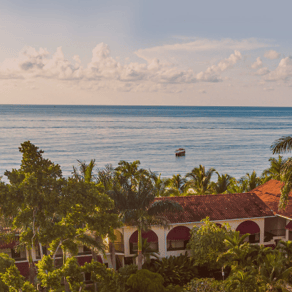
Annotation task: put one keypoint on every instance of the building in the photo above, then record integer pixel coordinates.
(255, 213)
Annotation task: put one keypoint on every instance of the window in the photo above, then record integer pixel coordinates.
(176, 244)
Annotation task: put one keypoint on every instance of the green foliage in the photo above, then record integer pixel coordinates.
(73, 274)
(174, 270)
(204, 285)
(5, 263)
(200, 180)
(207, 242)
(15, 281)
(49, 276)
(241, 281)
(146, 281)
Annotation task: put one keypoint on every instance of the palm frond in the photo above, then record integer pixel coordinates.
(162, 206)
(282, 145)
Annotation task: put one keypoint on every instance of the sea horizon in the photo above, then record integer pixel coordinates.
(233, 139)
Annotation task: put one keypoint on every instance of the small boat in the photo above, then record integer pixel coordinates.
(180, 152)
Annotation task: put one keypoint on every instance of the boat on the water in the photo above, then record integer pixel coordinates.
(180, 152)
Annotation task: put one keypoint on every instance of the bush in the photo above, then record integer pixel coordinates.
(204, 285)
(174, 270)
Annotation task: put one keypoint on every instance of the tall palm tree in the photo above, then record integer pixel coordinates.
(223, 182)
(176, 185)
(134, 193)
(85, 172)
(200, 180)
(276, 169)
(252, 181)
(284, 145)
(160, 184)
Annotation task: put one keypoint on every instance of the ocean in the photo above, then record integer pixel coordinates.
(233, 140)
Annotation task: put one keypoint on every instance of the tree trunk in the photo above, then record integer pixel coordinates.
(67, 288)
(140, 256)
(30, 266)
(113, 255)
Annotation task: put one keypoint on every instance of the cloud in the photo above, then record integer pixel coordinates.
(272, 55)
(262, 71)
(268, 89)
(257, 64)
(212, 73)
(204, 45)
(107, 72)
(283, 71)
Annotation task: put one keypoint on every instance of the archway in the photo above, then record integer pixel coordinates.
(119, 241)
(151, 237)
(177, 238)
(252, 228)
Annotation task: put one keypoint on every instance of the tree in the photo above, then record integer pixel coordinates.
(160, 184)
(85, 172)
(274, 274)
(31, 201)
(238, 254)
(200, 180)
(176, 185)
(133, 193)
(276, 169)
(222, 184)
(207, 243)
(284, 145)
(242, 281)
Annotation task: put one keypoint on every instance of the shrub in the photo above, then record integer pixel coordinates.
(174, 270)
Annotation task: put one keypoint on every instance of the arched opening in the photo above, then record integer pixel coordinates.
(252, 228)
(119, 241)
(151, 237)
(177, 238)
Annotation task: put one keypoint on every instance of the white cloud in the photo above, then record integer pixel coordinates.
(203, 45)
(257, 64)
(212, 73)
(262, 71)
(272, 55)
(283, 71)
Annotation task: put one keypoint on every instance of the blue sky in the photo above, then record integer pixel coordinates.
(146, 52)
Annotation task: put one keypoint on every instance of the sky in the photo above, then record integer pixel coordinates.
(163, 52)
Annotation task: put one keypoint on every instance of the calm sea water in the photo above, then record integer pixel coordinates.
(234, 140)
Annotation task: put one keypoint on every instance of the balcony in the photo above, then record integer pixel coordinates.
(269, 235)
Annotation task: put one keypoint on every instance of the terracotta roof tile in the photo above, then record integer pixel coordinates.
(270, 193)
(218, 207)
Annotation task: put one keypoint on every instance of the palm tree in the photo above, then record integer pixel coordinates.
(159, 184)
(200, 180)
(223, 182)
(134, 193)
(252, 181)
(176, 185)
(276, 169)
(274, 274)
(85, 172)
(241, 281)
(238, 251)
(105, 177)
(282, 145)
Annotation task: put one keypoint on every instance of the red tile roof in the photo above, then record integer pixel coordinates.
(218, 207)
(270, 193)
